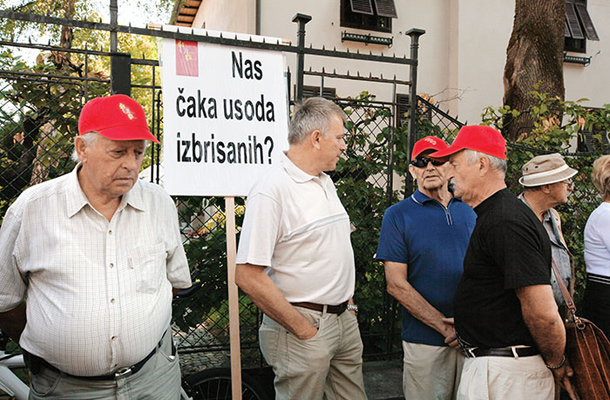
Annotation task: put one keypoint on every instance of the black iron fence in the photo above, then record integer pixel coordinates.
(39, 105)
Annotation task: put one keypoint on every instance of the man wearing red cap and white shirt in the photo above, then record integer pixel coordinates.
(422, 243)
(506, 319)
(97, 253)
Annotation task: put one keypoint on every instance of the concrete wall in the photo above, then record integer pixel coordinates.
(462, 55)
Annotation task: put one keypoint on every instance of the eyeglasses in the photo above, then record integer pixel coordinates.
(568, 182)
(421, 162)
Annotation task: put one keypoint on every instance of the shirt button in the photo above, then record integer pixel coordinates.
(112, 301)
(110, 232)
(111, 265)
(113, 338)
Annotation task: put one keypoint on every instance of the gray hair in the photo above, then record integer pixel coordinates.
(90, 138)
(316, 113)
(497, 164)
(601, 175)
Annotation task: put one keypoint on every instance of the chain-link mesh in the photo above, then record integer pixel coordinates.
(38, 117)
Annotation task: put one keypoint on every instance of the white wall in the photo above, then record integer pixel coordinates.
(227, 15)
(462, 55)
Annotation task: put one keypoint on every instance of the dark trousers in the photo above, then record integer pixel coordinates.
(596, 305)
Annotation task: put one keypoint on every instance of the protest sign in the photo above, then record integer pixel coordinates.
(225, 116)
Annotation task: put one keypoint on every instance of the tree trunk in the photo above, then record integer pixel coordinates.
(67, 32)
(534, 56)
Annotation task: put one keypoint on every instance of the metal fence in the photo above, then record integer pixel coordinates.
(39, 106)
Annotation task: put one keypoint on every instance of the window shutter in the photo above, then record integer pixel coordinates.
(573, 22)
(587, 23)
(386, 8)
(567, 33)
(362, 6)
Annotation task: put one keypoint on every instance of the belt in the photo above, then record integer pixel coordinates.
(514, 352)
(120, 373)
(338, 309)
(598, 279)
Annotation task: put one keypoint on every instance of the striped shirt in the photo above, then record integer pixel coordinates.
(98, 292)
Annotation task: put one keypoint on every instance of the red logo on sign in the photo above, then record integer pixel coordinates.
(187, 61)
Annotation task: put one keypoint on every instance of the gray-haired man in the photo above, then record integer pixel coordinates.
(295, 261)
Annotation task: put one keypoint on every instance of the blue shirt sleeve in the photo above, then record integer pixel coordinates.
(392, 245)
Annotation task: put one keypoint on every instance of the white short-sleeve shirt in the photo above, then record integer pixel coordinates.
(597, 241)
(296, 225)
(98, 292)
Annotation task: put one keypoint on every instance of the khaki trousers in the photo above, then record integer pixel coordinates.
(501, 378)
(159, 379)
(431, 372)
(327, 366)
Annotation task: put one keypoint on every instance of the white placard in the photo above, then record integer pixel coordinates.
(225, 116)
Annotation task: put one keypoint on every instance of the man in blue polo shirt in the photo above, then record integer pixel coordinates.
(422, 243)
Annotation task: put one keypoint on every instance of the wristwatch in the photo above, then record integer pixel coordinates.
(352, 307)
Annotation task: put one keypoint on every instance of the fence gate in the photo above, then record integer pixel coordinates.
(40, 103)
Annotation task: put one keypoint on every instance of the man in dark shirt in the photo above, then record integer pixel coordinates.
(506, 318)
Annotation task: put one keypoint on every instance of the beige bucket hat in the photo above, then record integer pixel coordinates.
(545, 170)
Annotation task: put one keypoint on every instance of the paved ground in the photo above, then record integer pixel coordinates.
(383, 380)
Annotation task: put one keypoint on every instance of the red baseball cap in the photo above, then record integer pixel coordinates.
(427, 143)
(116, 117)
(478, 138)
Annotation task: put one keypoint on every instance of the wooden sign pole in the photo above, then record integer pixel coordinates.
(233, 298)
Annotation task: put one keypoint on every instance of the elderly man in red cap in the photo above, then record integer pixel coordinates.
(97, 253)
(422, 244)
(506, 319)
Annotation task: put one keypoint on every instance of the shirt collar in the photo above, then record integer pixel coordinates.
(421, 198)
(296, 173)
(76, 198)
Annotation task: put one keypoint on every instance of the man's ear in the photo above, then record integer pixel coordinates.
(315, 137)
(546, 189)
(484, 164)
(412, 172)
(80, 146)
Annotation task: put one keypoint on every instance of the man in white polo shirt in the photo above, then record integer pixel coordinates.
(296, 263)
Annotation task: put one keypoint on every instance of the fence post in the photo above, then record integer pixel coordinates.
(120, 73)
(114, 18)
(301, 19)
(120, 63)
(414, 34)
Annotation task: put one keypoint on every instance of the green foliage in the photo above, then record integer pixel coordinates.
(361, 179)
(557, 124)
(39, 121)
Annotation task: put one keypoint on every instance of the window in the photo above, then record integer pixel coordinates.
(402, 110)
(579, 26)
(372, 15)
(313, 91)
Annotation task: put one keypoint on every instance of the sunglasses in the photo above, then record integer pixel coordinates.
(421, 162)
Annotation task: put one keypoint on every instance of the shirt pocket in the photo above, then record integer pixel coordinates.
(148, 263)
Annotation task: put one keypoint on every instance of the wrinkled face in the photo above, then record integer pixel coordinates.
(332, 145)
(429, 177)
(560, 191)
(464, 177)
(110, 167)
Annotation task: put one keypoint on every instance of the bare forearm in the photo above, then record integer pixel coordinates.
(263, 292)
(544, 322)
(412, 300)
(12, 322)
(418, 307)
